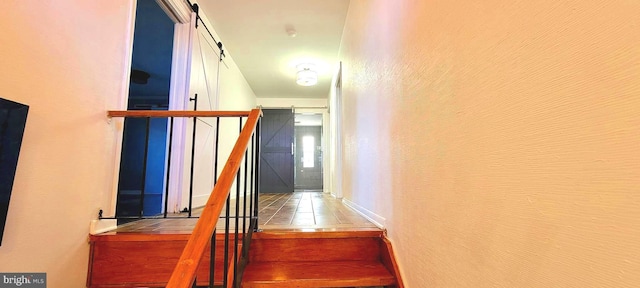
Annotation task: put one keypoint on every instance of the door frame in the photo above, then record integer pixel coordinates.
(184, 20)
(326, 142)
(320, 141)
(179, 100)
(336, 131)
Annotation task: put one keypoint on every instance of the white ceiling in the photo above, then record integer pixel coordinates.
(254, 33)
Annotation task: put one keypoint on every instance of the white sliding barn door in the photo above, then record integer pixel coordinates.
(203, 82)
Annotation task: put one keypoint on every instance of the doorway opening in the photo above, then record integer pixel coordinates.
(291, 150)
(308, 166)
(336, 136)
(143, 159)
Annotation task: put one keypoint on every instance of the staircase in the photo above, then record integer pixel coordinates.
(360, 258)
(319, 259)
(143, 260)
(276, 259)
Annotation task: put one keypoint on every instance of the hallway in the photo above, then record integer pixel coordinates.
(303, 211)
(307, 210)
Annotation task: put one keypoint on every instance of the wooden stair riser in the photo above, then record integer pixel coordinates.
(145, 263)
(317, 274)
(349, 259)
(296, 259)
(314, 249)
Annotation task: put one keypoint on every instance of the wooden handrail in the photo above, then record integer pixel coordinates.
(176, 113)
(185, 271)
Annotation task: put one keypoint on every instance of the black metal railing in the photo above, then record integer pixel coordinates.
(247, 193)
(241, 208)
(135, 202)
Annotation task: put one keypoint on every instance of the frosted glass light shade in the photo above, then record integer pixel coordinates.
(307, 77)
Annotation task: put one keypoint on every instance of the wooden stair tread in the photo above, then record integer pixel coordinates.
(288, 234)
(316, 274)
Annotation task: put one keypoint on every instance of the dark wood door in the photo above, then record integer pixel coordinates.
(308, 155)
(276, 152)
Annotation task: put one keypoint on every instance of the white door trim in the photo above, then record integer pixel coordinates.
(118, 123)
(179, 100)
(337, 111)
(178, 10)
(178, 95)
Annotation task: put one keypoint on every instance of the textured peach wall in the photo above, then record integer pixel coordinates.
(66, 60)
(500, 139)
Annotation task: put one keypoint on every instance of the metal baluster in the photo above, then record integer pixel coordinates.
(235, 240)
(212, 261)
(257, 183)
(193, 152)
(144, 167)
(226, 244)
(251, 195)
(244, 198)
(166, 189)
(213, 241)
(215, 163)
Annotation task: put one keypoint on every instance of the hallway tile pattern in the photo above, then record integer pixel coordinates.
(299, 211)
(307, 210)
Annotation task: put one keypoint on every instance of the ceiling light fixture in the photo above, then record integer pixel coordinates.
(307, 76)
(291, 31)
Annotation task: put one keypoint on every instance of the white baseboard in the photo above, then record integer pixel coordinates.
(102, 225)
(199, 200)
(373, 217)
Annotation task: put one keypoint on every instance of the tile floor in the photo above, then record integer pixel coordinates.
(298, 211)
(307, 210)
